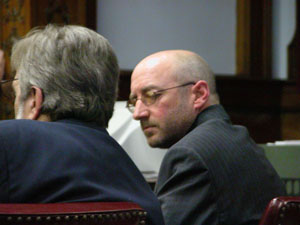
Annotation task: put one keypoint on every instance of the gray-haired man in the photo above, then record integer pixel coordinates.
(59, 151)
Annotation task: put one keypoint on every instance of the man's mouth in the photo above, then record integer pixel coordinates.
(147, 127)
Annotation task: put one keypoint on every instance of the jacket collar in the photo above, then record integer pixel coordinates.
(211, 113)
(81, 123)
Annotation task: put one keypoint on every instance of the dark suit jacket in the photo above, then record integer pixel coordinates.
(68, 161)
(216, 174)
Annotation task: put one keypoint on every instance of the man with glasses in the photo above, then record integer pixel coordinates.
(213, 172)
(58, 149)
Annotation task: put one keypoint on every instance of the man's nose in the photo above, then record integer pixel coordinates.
(140, 110)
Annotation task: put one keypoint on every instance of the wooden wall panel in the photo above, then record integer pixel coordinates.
(15, 22)
(19, 16)
(243, 38)
(255, 104)
(294, 50)
(254, 38)
(80, 12)
(290, 116)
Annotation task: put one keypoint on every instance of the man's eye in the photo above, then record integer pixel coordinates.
(150, 97)
(150, 94)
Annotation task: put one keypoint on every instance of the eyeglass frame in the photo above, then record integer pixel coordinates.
(130, 106)
(8, 80)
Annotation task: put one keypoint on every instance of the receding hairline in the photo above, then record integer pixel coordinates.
(185, 66)
(182, 62)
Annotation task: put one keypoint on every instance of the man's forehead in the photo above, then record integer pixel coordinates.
(152, 67)
(151, 80)
(145, 83)
(152, 62)
(152, 72)
(156, 61)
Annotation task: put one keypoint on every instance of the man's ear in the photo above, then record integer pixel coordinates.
(201, 95)
(34, 103)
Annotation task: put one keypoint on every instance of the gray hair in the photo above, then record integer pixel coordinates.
(75, 67)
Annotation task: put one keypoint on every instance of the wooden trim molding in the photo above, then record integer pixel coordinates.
(294, 50)
(243, 38)
(254, 38)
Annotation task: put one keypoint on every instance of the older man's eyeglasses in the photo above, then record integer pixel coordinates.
(6, 88)
(150, 96)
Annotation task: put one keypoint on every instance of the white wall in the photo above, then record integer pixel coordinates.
(137, 28)
(283, 31)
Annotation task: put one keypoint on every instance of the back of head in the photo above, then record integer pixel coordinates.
(74, 66)
(190, 66)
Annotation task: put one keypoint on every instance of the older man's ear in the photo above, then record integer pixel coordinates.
(33, 104)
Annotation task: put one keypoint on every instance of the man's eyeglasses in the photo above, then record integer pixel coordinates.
(150, 96)
(6, 88)
(7, 81)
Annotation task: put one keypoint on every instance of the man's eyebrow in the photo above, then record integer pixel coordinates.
(148, 88)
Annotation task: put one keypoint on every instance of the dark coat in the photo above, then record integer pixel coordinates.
(68, 161)
(216, 174)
